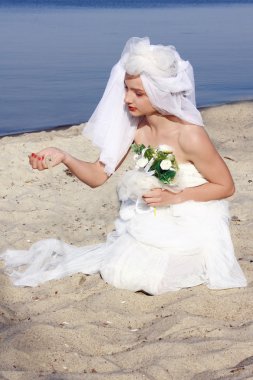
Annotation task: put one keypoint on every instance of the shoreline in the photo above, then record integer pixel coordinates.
(69, 125)
(232, 102)
(80, 327)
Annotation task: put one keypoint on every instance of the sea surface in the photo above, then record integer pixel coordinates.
(56, 56)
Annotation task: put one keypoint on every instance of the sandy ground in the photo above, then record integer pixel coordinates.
(82, 328)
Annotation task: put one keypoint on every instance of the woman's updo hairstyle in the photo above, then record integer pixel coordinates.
(159, 60)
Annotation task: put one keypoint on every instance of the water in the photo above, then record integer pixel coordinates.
(118, 3)
(55, 58)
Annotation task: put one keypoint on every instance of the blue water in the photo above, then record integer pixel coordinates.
(118, 3)
(56, 56)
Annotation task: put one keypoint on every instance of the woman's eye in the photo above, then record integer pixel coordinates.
(139, 94)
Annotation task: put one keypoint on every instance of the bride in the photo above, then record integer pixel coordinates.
(165, 239)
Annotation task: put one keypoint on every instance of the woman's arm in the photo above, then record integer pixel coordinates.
(197, 148)
(92, 174)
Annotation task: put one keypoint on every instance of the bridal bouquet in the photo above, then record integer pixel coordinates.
(156, 168)
(159, 162)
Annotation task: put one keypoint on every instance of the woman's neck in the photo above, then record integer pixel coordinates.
(159, 123)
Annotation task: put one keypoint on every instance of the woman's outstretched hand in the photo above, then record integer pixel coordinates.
(91, 173)
(46, 158)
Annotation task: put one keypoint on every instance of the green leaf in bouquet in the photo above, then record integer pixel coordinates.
(161, 156)
(156, 167)
(168, 176)
(137, 148)
(174, 163)
(149, 153)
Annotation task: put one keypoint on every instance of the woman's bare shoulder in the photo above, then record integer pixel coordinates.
(192, 137)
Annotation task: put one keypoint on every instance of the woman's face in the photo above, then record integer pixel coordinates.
(136, 98)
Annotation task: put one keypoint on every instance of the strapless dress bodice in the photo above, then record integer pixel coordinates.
(189, 176)
(134, 183)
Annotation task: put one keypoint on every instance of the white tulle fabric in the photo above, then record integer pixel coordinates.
(111, 127)
(177, 247)
(169, 83)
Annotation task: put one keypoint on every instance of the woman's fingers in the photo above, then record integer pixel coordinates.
(159, 197)
(155, 191)
(46, 158)
(40, 165)
(37, 161)
(33, 160)
(153, 196)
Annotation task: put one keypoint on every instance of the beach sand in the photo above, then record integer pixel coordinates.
(82, 328)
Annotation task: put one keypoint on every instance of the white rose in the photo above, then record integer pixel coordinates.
(165, 164)
(165, 148)
(142, 162)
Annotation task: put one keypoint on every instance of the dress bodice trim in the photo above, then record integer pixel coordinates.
(189, 176)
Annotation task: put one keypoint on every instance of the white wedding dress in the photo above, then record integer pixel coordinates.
(155, 251)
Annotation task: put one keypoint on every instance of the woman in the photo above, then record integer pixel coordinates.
(149, 99)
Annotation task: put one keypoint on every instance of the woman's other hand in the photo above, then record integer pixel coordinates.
(46, 158)
(161, 197)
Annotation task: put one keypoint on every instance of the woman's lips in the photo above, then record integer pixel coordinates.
(132, 108)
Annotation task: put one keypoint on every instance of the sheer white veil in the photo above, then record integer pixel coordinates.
(169, 83)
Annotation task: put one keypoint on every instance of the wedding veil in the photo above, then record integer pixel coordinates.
(169, 83)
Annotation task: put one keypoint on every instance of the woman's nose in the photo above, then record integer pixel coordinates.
(127, 98)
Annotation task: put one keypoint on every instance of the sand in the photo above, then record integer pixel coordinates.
(82, 328)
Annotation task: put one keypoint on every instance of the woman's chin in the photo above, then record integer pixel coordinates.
(135, 112)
